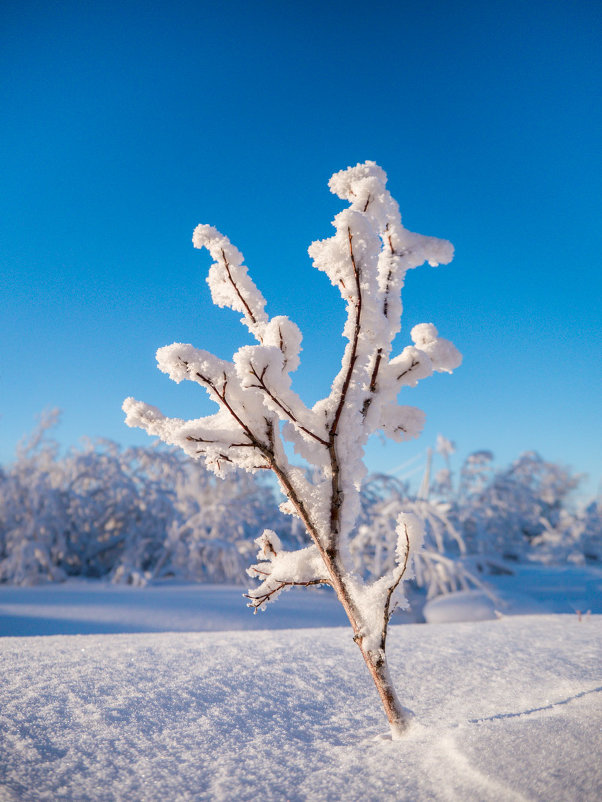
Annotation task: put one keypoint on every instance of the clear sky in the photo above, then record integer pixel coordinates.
(124, 124)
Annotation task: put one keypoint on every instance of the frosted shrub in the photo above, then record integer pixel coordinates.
(33, 511)
(590, 526)
(509, 512)
(437, 567)
(211, 536)
(366, 260)
(129, 515)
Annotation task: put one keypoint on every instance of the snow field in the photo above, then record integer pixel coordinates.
(504, 710)
(88, 607)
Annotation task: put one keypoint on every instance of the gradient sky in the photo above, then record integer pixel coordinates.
(125, 124)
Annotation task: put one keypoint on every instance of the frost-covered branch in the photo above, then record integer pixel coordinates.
(396, 577)
(302, 567)
(366, 259)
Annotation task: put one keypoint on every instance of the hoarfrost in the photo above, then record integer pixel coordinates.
(366, 260)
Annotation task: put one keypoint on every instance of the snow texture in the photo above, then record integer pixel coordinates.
(87, 607)
(464, 605)
(504, 710)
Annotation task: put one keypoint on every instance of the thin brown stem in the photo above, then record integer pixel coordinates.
(336, 493)
(415, 363)
(282, 584)
(356, 335)
(368, 400)
(391, 590)
(263, 386)
(250, 314)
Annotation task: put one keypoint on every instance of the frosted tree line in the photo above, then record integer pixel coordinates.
(143, 514)
(129, 515)
(481, 520)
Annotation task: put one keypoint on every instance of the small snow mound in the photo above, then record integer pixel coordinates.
(464, 605)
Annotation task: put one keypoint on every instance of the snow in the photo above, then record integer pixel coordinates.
(85, 606)
(504, 710)
(178, 692)
(553, 588)
(529, 589)
(463, 605)
(81, 607)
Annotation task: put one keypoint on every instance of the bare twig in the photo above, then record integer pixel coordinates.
(236, 289)
(356, 335)
(265, 597)
(368, 400)
(391, 590)
(415, 363)
(264, 388)
(336, 493)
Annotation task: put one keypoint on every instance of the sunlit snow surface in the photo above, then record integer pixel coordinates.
(85, 607)
(504, 709)
(92, 607)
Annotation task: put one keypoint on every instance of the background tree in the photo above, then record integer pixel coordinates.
(33, 509)
(438, 566)
(504, 512)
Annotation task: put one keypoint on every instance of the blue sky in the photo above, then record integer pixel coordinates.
(126, 124)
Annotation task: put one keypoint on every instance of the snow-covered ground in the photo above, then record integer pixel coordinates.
(83, 607)
(505, 709)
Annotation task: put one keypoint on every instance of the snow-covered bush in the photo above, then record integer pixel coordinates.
(130, 515)
(366, 260)
(591, 531)
(33, 511)
(438, 566)
(141, 514)
(211, 538)
(505, 512)
(522, 512)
